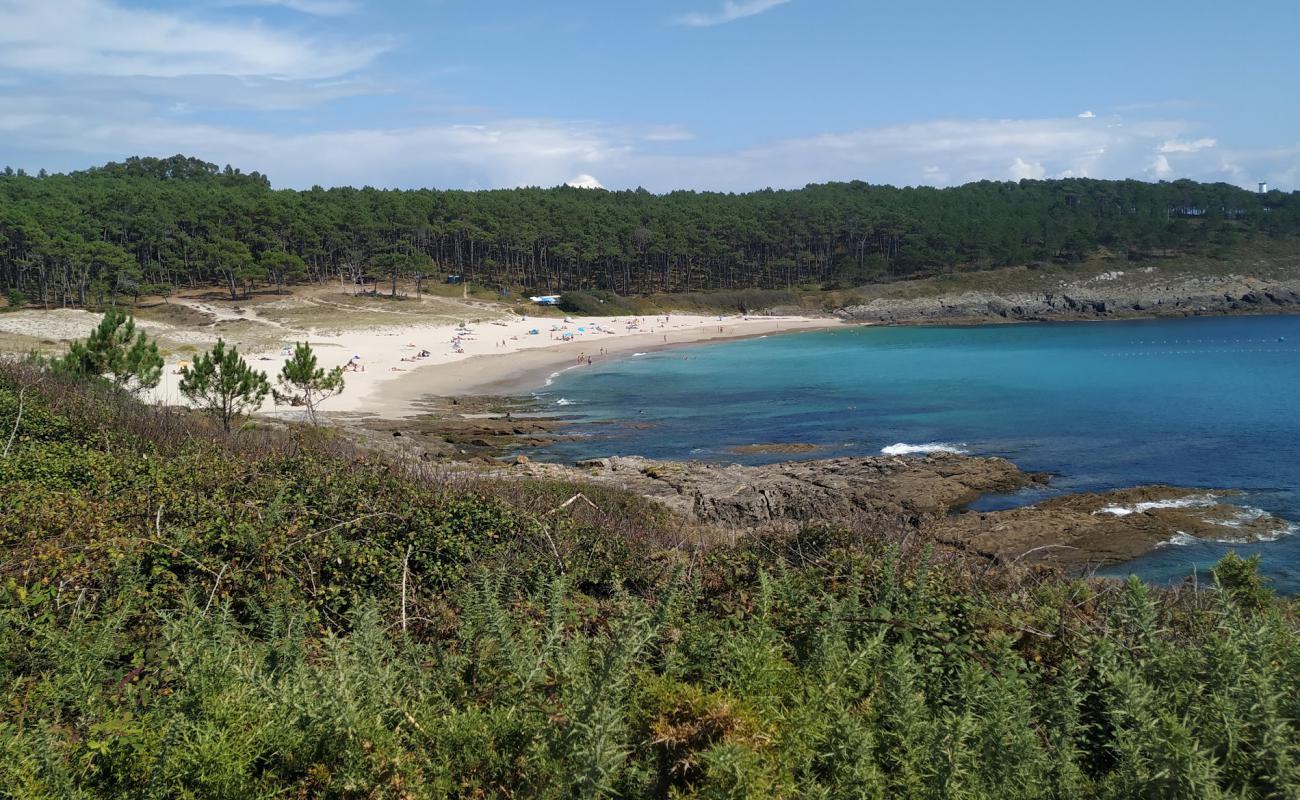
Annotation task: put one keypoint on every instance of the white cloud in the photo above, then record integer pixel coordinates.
(1087, 115)
(511, 153)
(326, 8)
(731, 11)
(1023, 170)
(584, 181)
(102, 38)
(1183, 146)
(934, 176)
(531, 152)
(204, 93)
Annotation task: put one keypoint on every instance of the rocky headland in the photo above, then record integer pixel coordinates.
(927, 495)
(1111, 295)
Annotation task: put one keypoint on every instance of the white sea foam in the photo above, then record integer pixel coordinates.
(563, 402)
(1191, 501)
(1244, 516)
(551, 379)
(1181, 539)
(905, 449)
(634, 355)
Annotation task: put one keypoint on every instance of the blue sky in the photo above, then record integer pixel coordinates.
(701, 94)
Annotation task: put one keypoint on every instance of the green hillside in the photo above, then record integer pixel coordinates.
(151, 226)
(185, 613)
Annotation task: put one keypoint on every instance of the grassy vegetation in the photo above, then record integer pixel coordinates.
(189, 614)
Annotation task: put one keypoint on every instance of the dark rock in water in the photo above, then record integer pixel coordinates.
(1089, 530)
(776, 447)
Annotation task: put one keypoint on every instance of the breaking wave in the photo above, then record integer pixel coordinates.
(1192, 501)
(905, 449)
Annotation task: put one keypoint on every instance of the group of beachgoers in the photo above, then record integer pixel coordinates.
(568, 331)
(417, 356)
(583, 358)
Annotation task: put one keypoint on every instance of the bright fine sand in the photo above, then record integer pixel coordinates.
(492, 357)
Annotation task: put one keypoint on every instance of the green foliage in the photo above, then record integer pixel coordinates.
(1239, 578)
(279, 615)
(312, 384)
(221, 383)
(283, 268)
(126, 228)
(595, 302)
(15, 299)
(117, 351)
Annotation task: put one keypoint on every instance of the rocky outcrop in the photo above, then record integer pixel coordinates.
(786, 448)
(1097, 298)
(925, 495)
(476, 427)
(898, 490)
(1089, 530)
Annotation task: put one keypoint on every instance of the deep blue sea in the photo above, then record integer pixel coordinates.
(1210, 402)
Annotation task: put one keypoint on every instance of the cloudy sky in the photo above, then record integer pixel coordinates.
(700, 94)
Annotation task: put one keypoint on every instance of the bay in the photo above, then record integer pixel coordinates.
(1200, 402)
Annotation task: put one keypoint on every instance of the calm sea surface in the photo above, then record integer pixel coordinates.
(1209, 403)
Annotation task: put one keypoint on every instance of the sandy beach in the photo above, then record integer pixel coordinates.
(500, 356)
(526, 365)
(394, 354)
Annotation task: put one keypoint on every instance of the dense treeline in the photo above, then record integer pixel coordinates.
(186, 613)
(151, 225)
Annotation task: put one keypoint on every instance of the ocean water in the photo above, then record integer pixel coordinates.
(1210, 402)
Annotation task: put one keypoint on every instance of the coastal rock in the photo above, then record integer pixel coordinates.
(1117, 296)
(1089, 530)
(925, 495)
(776, 447)
(899, 491)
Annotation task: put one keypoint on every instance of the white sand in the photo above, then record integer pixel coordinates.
(495, 356)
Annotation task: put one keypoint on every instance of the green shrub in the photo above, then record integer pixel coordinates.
(596, 302)
(186, 614)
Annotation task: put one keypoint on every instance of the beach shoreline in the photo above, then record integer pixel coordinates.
(521, 371)
(389, 371)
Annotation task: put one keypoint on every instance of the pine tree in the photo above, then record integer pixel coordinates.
(313, 384)
(115, 350)
(221, 383)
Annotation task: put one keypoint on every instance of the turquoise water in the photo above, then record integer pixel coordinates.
(1198, 402)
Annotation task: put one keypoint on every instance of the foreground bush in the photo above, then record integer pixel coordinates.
(189, 615)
